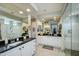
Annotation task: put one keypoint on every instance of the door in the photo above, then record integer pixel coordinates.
(28, 49)
(14, 52)
(3, 54)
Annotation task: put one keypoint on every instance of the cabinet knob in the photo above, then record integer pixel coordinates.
(19, 48)
(22, 47)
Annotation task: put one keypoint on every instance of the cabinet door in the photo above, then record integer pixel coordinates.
(14, 52)
(38, 40)
(3, 54)
(28, 49)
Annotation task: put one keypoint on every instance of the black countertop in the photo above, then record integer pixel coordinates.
(5, 48)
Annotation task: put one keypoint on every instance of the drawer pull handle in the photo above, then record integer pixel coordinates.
(19, 48)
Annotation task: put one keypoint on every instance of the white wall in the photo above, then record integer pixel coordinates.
(34, 29)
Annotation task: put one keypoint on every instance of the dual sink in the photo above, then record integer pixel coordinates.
(17, 43)
(14, 44)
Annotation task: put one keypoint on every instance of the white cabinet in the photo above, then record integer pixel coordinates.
(50, 40)
(24, 50)
(3, 54)
(27, 49)
(14, 52)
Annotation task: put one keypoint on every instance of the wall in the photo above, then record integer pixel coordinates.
(2, 26)
(34, 29)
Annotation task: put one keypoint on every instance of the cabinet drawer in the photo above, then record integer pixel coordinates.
(3, 54)
(14, 52)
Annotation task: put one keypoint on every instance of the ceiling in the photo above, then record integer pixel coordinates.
(46, 8)
(38, 10)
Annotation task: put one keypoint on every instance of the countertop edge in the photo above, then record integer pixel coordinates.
(18, 45)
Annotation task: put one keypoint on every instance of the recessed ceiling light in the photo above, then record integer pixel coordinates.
(54, 17)
(21, 12)
(28, 10)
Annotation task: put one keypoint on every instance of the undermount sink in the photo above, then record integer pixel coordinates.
(14, 44)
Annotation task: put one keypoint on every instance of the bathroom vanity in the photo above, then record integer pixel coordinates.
(50, 40)
(21, 48)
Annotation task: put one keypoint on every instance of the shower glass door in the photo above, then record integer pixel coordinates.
(67, 30)
(70, 27)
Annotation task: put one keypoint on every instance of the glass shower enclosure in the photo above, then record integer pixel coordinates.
(70, 21)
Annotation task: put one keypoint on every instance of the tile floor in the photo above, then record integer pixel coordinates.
(45, 52)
